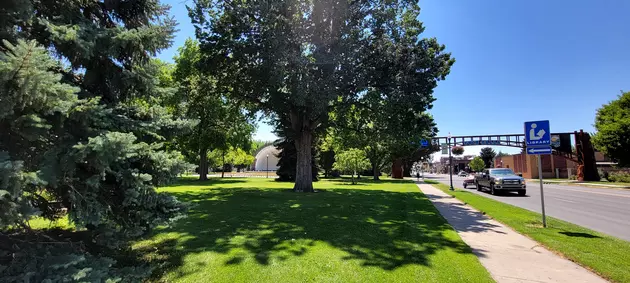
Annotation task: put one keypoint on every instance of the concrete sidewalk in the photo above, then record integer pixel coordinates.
(506, 254)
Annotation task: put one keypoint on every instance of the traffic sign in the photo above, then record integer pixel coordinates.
(424, 143)
(444, 148)
(537, 133)
(538, 150)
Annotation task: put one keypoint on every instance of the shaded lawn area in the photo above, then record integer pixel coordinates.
(606, 255)
(257, 230)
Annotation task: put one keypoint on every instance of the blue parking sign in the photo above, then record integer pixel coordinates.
(537, 133)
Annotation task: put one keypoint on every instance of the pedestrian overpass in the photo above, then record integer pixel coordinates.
(583, 153)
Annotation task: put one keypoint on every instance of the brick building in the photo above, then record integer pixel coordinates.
(552, 166)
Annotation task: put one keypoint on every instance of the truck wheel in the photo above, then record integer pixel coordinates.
(464, 185)
(492, 190)
(478, 187)
(521, 193)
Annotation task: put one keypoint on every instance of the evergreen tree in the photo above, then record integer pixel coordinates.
(83, 138)
(287, 155)
(487, 154)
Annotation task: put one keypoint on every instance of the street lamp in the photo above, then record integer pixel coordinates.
(450, 162)
(267, 166)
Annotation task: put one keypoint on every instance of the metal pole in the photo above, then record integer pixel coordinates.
(267, 166)
(542, 195)
(450, 163)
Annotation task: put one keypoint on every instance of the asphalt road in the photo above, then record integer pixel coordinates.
(603, 210)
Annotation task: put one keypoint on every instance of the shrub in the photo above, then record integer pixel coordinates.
(622, 177)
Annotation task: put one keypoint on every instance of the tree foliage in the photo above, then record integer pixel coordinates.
(226, 160)
(477, 164)
(352, 160)
(613, 129)
(299, 59)
(221, 123)
(487, 154)
(83, 136)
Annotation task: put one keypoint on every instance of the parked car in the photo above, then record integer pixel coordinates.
(500, 180)
(462, 174)
(470, 180)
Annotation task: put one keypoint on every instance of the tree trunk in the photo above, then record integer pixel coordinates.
(223, 166)
(303, 168)
(375, 171)
(203, 164)
(352, 178)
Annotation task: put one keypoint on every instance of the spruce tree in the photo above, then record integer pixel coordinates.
(82, 135)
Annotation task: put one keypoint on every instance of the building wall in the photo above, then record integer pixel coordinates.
(527, 165)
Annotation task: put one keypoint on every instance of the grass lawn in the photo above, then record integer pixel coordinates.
(256, 230)
(608, 183)
(603, 254)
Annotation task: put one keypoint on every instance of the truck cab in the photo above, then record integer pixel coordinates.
(498, 180)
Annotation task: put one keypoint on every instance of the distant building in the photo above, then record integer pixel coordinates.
(460, 163)
(266, 159)
(552, 166)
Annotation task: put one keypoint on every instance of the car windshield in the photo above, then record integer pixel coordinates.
(502, 172)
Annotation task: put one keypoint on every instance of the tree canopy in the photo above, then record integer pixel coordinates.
(352, 160)
(477, 164)
(297, 60)
(83, 135)
(612, 123)
(221, 122)
(487, 154)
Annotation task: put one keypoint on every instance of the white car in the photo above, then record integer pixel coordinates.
(462, 174)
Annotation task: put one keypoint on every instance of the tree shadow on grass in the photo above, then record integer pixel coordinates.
(579, 235)
(378, 228)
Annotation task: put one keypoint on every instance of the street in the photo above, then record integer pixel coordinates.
(603, 210)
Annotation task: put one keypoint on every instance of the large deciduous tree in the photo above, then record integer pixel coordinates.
(297, 59)
(613, 129)
(221, 122)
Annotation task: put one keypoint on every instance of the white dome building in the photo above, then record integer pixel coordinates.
(266, 159)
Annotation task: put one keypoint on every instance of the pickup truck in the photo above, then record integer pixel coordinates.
(500, 180)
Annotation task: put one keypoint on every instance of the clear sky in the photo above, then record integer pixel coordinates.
(517, 61)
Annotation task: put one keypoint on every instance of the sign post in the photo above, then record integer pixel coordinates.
(538, 142)
(542, 194)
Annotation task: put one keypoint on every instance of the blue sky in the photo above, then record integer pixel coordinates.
(516, 61)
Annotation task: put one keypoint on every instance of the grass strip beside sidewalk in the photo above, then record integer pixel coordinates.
(605, 255)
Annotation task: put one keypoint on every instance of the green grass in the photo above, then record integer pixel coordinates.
(608, 183)
(257, 230)
(39, 223)
(586, 183)
(608, 256)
